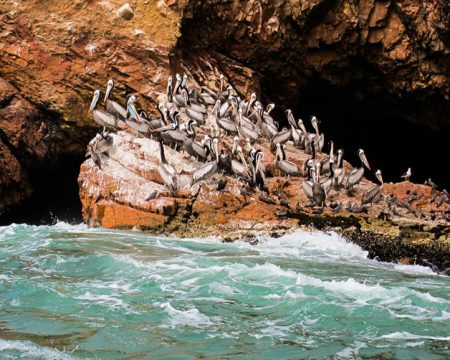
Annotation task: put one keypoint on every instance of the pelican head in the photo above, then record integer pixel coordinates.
(94, 100)
(363, 158)
(253, 96)
(109, 88)
(221, 77)
(379, 176)
(315, 124)
(215, 142)
(132, 99)
(169, 81)
(270, 107)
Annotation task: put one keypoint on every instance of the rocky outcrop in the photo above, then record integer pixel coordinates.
(56, 53)
(126, 192)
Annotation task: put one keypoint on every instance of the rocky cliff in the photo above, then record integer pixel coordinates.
(55, 53)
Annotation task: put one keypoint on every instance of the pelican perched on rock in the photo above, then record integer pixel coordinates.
(104, 119)
(113, 107)
(135, 121)
(240, 167)
(357, 174)
(192, 147)
(167, 171)
(374, 192)
(280, 138)
(207, 170)
(314, 190)
(287, 167)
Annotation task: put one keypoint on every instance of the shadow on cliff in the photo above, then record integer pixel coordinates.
(55, 196)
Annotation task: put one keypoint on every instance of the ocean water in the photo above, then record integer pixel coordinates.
(69, 292)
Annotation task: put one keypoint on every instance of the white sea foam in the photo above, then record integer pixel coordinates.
(109, 301)
(192, 317)
(404, 335)
(29, 350)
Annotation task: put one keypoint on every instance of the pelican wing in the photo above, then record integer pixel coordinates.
(370, 194)
(193, 114)
(327, 184)
(227, 125)
(116, 109)
(104, 119)
(307, 189)
(355, 176)
(204, 172)
(139, 127)
(281, 138)
(166, 172)
(288, 167)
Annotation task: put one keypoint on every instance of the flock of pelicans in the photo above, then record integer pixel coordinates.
(235, 126)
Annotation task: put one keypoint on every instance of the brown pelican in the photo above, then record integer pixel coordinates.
(370, 195)
(357, 174)
(169, 90)
(259, 177)
(207, 170)
(407, 174)
(102, 117)
(240, 167)
(245, 131)
(325, 165)
(319, 138)
(339, 172)
(227, 125)
(135, 121)
(167, 171)
(250, 103)
(286, 166)
(314, 189)
(266, 114)
(97, 146)
(171, 133)
(280, 138)
(192, 147)
(177, 84)
(296, 132)
(113, 107)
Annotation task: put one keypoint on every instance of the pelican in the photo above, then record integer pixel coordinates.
(286, 166)
(319, 138)
(169, 90)
(135, 121)
(167, 171)
(227, 125)
(207, 170)
(102, 117)
(259, 177)
(244, 131)
(339, 172)
(280, 138)
(370, 195)
(113, 107)
(296, 133)
(250, 103)
(314, 189)
(240, 167)
(171, 133)
(407, 175)
(357, 174)
(192, 147)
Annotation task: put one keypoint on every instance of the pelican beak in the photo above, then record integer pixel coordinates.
(108, 90)
(364, 160)
(379, 177)
(94, 101)
(133, 113)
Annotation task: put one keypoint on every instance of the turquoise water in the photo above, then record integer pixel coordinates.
(69, 292)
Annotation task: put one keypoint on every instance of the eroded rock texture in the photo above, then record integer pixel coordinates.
(55, 53)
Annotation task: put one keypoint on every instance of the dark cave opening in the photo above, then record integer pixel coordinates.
(354, 120)
(55, 196)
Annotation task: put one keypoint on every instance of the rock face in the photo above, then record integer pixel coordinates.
(54, 54)
(128, 193)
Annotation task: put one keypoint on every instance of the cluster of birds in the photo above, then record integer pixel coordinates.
(234, 131)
